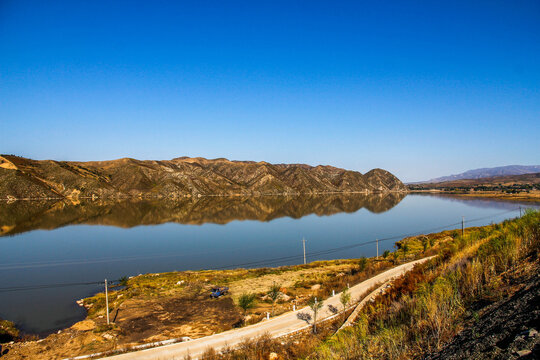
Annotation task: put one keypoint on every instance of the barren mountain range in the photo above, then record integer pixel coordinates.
(22, 178)
(488, 172)
(533, 178)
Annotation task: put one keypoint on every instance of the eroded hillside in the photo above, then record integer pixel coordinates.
(22, 178)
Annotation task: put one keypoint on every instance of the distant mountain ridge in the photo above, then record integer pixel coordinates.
(495, 183)
(22, 178)
(489, 172)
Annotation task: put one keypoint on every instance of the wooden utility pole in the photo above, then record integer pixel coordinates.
(304, 245)
(107, 301)
(315, 308)
(377, 241)
(462, 226)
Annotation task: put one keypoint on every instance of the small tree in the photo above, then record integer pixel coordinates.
(345, 298)
(246, 301)
(315, 306)
(123, 281)
(274, 294)
(425, 243)
(386, 253)
(362, 264)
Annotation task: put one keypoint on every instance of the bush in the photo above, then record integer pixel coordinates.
(425, 308)
(8, 331)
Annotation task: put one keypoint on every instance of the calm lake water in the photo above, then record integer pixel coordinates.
(46, 243)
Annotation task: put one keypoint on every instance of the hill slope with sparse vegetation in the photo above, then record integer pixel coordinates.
(482, 287)
(22, 178)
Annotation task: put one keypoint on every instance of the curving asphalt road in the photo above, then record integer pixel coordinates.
(276, 327)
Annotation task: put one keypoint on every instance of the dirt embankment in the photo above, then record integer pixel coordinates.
(506, 329)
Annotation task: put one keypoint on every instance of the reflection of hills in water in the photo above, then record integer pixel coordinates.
(487, 202)
(21, 216)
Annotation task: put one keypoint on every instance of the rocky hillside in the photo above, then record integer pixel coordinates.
(507, 329)
(22, 178)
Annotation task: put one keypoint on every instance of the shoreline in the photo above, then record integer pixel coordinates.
(196, 196)
(157, 307)
(299, 282)
(529, 197)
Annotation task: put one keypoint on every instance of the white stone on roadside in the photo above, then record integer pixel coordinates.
(284, 297)
(524, 352)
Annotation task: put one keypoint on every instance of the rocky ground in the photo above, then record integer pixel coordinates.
(506, 329)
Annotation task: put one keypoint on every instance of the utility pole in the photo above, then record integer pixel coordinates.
(107, 301)
(315, 317)
(377, 241)
(462, 226)
(304, 244)
(520, 211)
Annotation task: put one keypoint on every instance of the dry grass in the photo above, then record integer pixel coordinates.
(151, 307)
(428, 306)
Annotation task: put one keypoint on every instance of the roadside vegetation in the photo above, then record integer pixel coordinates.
(427, 307)
(247, 301)
(420, 313)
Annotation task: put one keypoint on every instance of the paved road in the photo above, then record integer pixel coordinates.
(277, 326)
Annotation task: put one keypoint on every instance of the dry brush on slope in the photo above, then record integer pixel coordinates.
(431, 304)
(485, 282)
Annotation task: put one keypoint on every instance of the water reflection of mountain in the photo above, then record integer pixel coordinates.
(487, 202)
(21, 216)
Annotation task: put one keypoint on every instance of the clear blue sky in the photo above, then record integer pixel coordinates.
(420, 88)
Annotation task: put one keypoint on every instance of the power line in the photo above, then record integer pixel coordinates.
(351, 246)
(48, 286)
(133, 258)
(264, 261)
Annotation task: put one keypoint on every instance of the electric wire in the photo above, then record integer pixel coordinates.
(265, 261)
